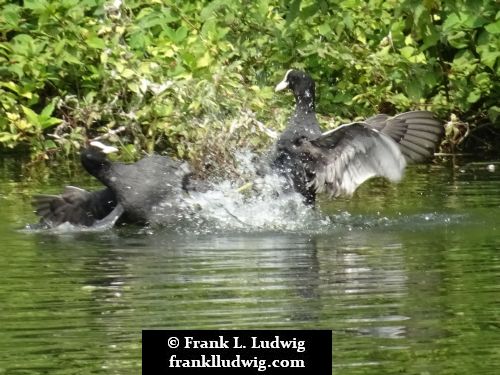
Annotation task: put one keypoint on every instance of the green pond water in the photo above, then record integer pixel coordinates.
(406, 276)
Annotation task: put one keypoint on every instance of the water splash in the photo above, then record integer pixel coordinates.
(264, 204)
(258, 202)
(265, 208)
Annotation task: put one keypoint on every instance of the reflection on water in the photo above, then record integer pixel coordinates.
(406, 277)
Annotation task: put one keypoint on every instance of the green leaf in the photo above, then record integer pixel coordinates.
(452, 22)
(324, 29)
(211, 8)
(49, 144)
(414, 89)
(487, 47)
(309, 11)
(127, 73)
(262, 9)
(11, 86)
(137, 40)
(23, 44)
(474, 96)
(11, 15)
(8, 137)
(482, 79)
(144, 12)
(458, 39)
(17, 69)
(47, 111)
(171, 34)
(418, 11)
(489, 58)
(494, 113)
(407, 52)
(36, 5)
(69, 3)
(360, 35)
(31, 115)
(431, 38)
(348, 21)
(69, 58)
(93, 41)
(50, 122)
(180, 34)
(430, 78)
(493, 28)
(151, 21)
(134, 87)
(293, 11)
(204, 61)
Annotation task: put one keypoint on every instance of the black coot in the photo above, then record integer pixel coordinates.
(338, 161)
(133, 192)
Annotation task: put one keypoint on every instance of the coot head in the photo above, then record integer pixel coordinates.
(303, 87)
(94, 158)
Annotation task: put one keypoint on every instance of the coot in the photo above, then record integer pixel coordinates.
(133, 192)
(338, 161)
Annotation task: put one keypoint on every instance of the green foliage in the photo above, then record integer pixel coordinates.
(176, 75)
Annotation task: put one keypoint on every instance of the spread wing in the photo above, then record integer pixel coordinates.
(75, 206)
(418, 133)
(344, 158)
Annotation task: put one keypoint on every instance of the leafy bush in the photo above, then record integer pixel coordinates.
(177, 75)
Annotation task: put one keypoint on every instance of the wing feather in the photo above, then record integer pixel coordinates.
(417, 132)
(430, 136)
(75, 206)
(343, 159)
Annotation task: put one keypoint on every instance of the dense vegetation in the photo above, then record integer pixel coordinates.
(191, 76)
